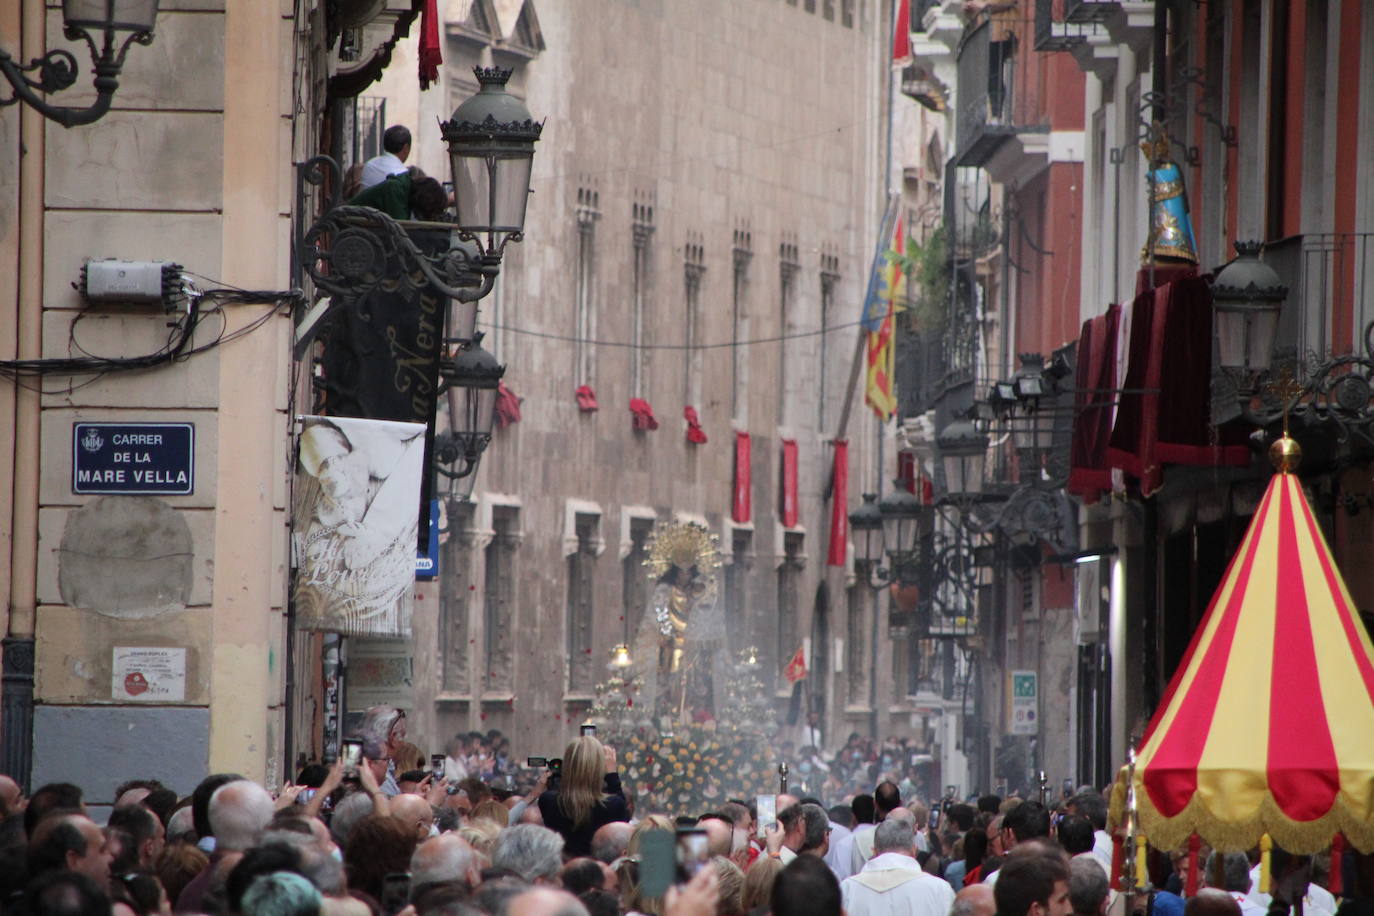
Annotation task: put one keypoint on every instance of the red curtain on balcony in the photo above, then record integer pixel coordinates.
(787, 493)
(1164, 412)
(740, 509)
(1093, 405)
(839, 506)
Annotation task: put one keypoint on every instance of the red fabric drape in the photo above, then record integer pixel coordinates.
(507, 406)
(741, 509)
(695, 434)
(642, 415)
(901, 35)
(1165, 412)
(1094, 400)
(787, 493)
(586, 399)
(839, 506)
(431, 55)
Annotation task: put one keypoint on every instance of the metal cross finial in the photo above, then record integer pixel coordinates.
(1287, 389)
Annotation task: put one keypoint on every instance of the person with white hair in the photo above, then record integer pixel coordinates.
(533, 853)
(239, 812)
(444, 859)
(543, 901)
(892, 883)
(382, 731)
(282, 893)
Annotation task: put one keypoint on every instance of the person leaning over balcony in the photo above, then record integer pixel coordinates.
(587, 797)
(395, 152)
(409, 195)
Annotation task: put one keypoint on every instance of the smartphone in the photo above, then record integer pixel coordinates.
(395, 892)
(303, 797)
(589, 731)
(692, 855)
(1068, 788)
(656, 862)
(536, 763)
(352, 755)
(767, 808)
(436, 766)
(935, 818)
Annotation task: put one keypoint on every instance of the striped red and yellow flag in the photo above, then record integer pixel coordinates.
(1268, 724)
(880, 392)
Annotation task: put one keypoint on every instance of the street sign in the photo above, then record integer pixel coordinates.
(1025, 703)
(138, 458)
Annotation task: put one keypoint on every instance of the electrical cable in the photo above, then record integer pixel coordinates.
(625, 344)
(177, 347)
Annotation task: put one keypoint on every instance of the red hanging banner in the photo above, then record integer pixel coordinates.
(839, 506)
(741, 510)
(787, 493)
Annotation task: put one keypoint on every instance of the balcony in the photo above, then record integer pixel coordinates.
(1330, 280)
(1090, 10)
(920, 84)
(991, 108)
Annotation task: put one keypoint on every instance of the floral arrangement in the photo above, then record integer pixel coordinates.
(694, 770)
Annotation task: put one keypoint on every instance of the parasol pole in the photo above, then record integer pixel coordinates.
(1135, 878)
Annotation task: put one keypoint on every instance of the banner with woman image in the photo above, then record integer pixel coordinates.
(356, 517)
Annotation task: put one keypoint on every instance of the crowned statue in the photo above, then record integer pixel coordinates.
(678, 642)
(1171, 238)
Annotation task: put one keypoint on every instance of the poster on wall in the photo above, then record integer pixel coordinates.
(381, 672)
(356, 520)
(148, 674)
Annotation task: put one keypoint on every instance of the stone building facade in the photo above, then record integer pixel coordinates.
(700, 233)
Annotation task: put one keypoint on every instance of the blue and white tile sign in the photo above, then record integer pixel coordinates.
(140, 458)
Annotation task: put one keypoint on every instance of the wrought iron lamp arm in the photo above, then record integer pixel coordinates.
(57, 70)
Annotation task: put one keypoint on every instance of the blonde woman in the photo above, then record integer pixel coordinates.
(587, 796)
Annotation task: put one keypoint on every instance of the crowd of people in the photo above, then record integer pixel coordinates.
(453, 839)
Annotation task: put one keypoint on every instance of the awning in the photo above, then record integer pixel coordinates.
(1268, 724)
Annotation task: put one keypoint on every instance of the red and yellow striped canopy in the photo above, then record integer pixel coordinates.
(1268, 724)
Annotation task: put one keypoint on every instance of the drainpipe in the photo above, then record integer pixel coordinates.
(16, 684)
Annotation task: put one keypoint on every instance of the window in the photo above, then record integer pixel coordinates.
(788, 266)
(856, 642)
(643, 230)
(455, 568)
(584, 355)
(847, 13)
(737, 622)
(789, 595)
(582, 603)
(498, 600)
(739, 327)
(693, 267)
(830, 279)
(634, 578)
(828, 10)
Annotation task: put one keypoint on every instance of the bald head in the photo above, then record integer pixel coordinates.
(1211, 901)
(544, 901)
(415, 813)
(443, 859)
(786, 801)
(239, 813)
(610, 841)
(974, 900)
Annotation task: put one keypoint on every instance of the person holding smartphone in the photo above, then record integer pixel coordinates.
(587, 797)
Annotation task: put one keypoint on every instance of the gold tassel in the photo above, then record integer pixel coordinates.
(1141, 872)
(1266, 846)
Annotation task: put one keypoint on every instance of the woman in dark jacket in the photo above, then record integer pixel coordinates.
(588, 795)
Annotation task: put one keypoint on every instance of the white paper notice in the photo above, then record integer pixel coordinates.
(150, 675)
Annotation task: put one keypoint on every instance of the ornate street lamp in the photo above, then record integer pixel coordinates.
(473, 378)
(491, 139)
(1247, 297)
(866, 521)
(901, 513)
(963, 449)
(108, 28)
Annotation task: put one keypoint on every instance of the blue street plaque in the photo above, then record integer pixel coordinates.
(134, 458)
(427, 561)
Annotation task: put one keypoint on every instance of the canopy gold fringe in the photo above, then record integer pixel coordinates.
(1300, 837)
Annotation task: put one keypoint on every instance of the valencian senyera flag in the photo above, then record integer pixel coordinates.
(886, 286)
